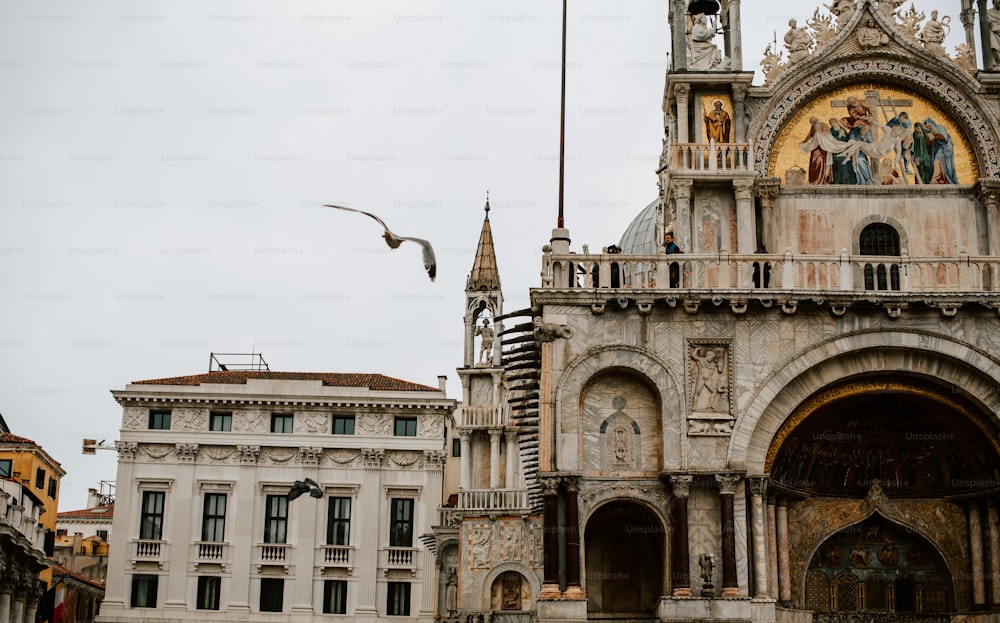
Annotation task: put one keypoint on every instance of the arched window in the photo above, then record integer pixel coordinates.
(880, 239)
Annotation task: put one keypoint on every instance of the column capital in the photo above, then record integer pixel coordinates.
(727, 483)
(510, 435)
(550, 485)
(495, 434)
(758, 485)
(681, 189)
(681, 91)
(371, 458)
(681, 484)
(126, 450)
(571, 482)
(248, 454)
(464, 434)
(739, 90)
(767, 189)
(987, 190)
(743, 188)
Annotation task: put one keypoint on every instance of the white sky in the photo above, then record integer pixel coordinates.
(162, 165)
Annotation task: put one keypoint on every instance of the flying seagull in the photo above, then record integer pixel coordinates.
(430, 263)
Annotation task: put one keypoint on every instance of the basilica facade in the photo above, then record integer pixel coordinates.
(791, 415)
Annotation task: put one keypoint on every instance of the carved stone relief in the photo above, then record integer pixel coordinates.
(316, 422)
(480, 544)
(311, 455)
(343, 458)
(156, 451)
(187, 452)
(374, 424)
(278, 456)
(429, 425)
(511, 537)
(404, 459)
(250, 422)
(135, 418)
(188, 419)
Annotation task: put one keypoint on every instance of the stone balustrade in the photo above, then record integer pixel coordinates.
(707, 157)
(335, 556)
(216, 552)
(483, 417)
(493, 500)
(150, 550)
(398, 558)
(834, 273)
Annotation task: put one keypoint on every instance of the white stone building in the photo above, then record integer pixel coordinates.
(22, 552)
(204, 528)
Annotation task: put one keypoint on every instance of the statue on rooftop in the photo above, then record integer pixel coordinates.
(934, 32)
(798, 42)
(703, 54)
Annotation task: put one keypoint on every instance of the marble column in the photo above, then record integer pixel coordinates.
(510, 477)
(735, 37)
(976, 555)
(681, 191)
(465, 449)
(784, 562)
(746, 225)
(988, 192)
(494, 458)
(7, 586)
(759, 540)
(727, 492)
(681, 93)
(772, 548)
(767, 192)
(740, 114)
(681, 573)
(678, 36)
(571, 486)
(993, 520)
(550, 537)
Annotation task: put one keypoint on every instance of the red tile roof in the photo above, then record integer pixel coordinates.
(59, 571)
(99, 512)
(12, 438)
(331, 379)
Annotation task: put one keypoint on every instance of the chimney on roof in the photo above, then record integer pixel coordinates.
(442, 380)
(93, 500)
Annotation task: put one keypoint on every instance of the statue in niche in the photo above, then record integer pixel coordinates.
(710, 384)
(933, 33)
(486, 346)
(619, 439)
(451, 590)
(869, 35)
(707, 565)
(798, 42)
(510, 592)
(703, 54)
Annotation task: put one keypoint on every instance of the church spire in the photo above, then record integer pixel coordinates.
(484, 275)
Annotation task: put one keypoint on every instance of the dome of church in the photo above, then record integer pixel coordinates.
(640, 235)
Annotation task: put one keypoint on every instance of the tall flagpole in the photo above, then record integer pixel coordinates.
(560, 222)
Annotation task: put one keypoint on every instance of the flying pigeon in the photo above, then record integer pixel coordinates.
(430, 263)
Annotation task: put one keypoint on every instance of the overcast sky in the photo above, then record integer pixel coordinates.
(162, 167)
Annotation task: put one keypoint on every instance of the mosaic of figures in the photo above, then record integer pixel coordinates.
(872, 135)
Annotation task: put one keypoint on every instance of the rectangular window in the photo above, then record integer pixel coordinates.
(151, 520)
(272, 593)
(6, 465)
(281, 422)
(39, 478)
(399, 599)
(52, 488)
(103, 535)
(213, 518)
(338, 523)
(144, 590)
(343, 425)
(401, 525)
(159, 420)
(209, 589)
(456, 447)
(335, 597)
(276, 519)
(405, 427)
(220, 421)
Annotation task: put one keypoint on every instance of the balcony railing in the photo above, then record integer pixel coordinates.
(210, 552)
(483, 417)
(398, 558)
(698, 157)
(150, 550)
(514, 500)
(335, 556)
(279, 554)
(839, 273)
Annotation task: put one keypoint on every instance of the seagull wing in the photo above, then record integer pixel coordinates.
(391, 239)
(430, 261)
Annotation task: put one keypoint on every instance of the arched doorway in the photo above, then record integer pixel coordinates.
(624, 559)
(877, 566)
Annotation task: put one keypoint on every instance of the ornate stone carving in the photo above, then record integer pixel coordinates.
(371, 458)
(743, 189)
(429, 425)
(550, 485)
(250, 422)
(316, 422)
(248, 454)
(375, 424)
(709, 428)
(343, 458)
(870, 35)
(727, 483)
(511, 537)
(126, 450)
(135, 418)
(680, 484)
(218, 454)
(156, 452)
(403, 459)
(548, 332)
(435, 459)
(758, 486)
(279, 456)
(708, 374)
(481, 547)
(187, 452)
(187, 419)
(593, 493)
(310, 455)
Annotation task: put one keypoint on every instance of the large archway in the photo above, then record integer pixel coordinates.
(624, 560)
(878, 475)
